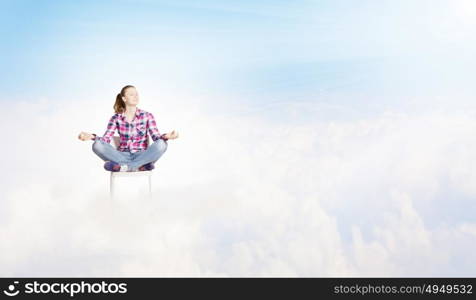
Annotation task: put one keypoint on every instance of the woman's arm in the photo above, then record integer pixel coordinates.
(111, 129)
(153, 130)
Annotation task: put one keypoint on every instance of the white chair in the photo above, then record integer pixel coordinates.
(114, 175)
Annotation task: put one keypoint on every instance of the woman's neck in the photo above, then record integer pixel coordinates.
(130, 110)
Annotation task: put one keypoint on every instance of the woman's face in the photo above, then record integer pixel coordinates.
(131, 97)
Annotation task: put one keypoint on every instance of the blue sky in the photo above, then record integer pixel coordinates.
(257, 51)
(328, 157)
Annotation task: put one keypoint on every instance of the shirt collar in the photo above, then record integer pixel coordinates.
(138, 113)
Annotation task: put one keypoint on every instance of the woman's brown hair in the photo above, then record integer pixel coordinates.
(120, 105)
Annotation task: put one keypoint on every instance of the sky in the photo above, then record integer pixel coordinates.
(317, 138)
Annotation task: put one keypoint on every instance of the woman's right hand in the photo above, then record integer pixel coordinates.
(84, 136)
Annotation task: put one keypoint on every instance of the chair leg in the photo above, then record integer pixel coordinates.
(150, 186)
(111, 187)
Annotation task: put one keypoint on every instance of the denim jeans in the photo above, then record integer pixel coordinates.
(133, 160)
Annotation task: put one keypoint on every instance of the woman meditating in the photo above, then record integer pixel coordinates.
(133, 125)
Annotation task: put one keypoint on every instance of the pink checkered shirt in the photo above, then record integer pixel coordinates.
(133, 136)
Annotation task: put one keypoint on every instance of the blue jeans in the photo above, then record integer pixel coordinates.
(133, 160)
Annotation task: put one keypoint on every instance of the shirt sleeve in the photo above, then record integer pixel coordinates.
(153, 130)
(111, 129)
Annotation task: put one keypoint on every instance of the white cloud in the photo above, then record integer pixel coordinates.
(240, 195)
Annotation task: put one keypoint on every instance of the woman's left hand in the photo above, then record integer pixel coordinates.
(172, 135)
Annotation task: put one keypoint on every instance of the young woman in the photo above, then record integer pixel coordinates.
(134, 125)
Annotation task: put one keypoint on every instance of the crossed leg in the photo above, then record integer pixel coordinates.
(108, 153)
(151, 155)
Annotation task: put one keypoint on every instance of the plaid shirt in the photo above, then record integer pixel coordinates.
(133, 136)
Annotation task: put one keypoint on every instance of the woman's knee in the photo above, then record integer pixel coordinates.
(160, 145)
(98, 146)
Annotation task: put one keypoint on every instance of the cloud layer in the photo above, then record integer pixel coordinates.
(242, 195)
